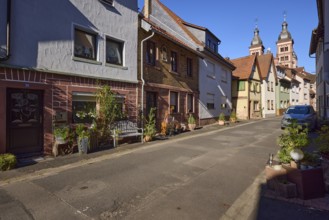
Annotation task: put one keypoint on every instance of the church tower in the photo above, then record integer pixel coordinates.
(285, 54)
(256, 46)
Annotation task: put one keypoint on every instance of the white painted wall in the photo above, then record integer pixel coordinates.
(213, 84)
(269, 95)
(42, 36)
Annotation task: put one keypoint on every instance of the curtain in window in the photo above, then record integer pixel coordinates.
(113, 52)
(84, 44)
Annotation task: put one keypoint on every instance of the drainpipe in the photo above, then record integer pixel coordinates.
(142, 78)
(8, 31)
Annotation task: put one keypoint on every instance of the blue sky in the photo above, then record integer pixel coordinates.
(233, 22)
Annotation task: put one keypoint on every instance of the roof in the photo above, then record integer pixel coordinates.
(171, 37)
(183, 25)
(264, 62)
(243, 66)
(179, 21)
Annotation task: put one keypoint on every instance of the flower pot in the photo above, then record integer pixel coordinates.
(83, 145)
(221, 122)
(191, 127)
(60, 140)
(147, 138)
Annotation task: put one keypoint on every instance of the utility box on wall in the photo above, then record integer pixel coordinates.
(61, 116)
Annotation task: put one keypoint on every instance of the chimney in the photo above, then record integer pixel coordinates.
(147, 8)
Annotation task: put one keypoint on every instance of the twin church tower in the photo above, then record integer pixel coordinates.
(285, 54)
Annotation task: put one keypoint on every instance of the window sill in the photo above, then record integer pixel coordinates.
(79, 59)
(211, 77)
(116, 66)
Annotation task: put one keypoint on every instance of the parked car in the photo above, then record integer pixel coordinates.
(303, 114)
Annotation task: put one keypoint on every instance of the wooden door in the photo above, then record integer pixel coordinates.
(24, 121)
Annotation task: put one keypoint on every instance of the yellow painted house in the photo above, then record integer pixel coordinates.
(246, 87)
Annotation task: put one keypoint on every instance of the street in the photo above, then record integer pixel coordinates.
(210, 175)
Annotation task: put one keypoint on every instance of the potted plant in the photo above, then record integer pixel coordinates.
(61, 134)
(233, 117)
(83, 138)
(150, 129)
(293, 139)
(191, 122)
(221, 119)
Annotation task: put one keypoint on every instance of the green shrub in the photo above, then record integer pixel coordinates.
(221, 117)
(191, 119)
(7, 161)
(294, 137)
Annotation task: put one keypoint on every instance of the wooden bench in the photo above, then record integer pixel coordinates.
(125, 128)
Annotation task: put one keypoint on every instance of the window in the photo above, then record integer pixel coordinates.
(285, 48)
(190, 101)
(114, 51)
(281, 104)
(258, 87)
(189, 67)
(281, 49)
(268, 105)
(173, 61)
(241, 86)
(272, 105)
(164, 55)
(223, 105)
(84, 44)
(224, 75)
(281, 58)
(211, 70)
(150, 53)
(214, 47)
(268, 86)
(272, 87)
(208, 43)
(210, 101)
(173, 102)
(286, 58)
(256, 106)
(83, 107)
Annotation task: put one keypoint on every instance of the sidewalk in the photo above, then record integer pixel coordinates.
(266, 200)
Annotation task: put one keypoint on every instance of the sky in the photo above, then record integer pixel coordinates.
(234, 21)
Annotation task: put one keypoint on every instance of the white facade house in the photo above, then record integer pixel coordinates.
(54, 56)
(215, 77)
(269, 80)
(320, 48)
(76, 37)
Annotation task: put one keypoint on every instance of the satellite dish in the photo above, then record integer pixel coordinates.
(3, 53)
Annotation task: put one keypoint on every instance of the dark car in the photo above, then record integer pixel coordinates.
(303, 114)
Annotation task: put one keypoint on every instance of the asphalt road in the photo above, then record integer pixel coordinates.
(213, 175)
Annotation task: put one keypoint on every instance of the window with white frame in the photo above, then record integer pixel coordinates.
(256, 105)
(272, 105)
(164, 55)
(114, 52)
(85, 44)
(190, 103)
(150, 53)
(174, 102)
(224, 75)
(83, 107)
(268, 86)
(281, 104)
(272, 88)
(211, 69)
(268, 105)
(210, 101)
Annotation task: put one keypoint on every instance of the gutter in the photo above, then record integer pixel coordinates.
(143, 81)
(8, 25)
